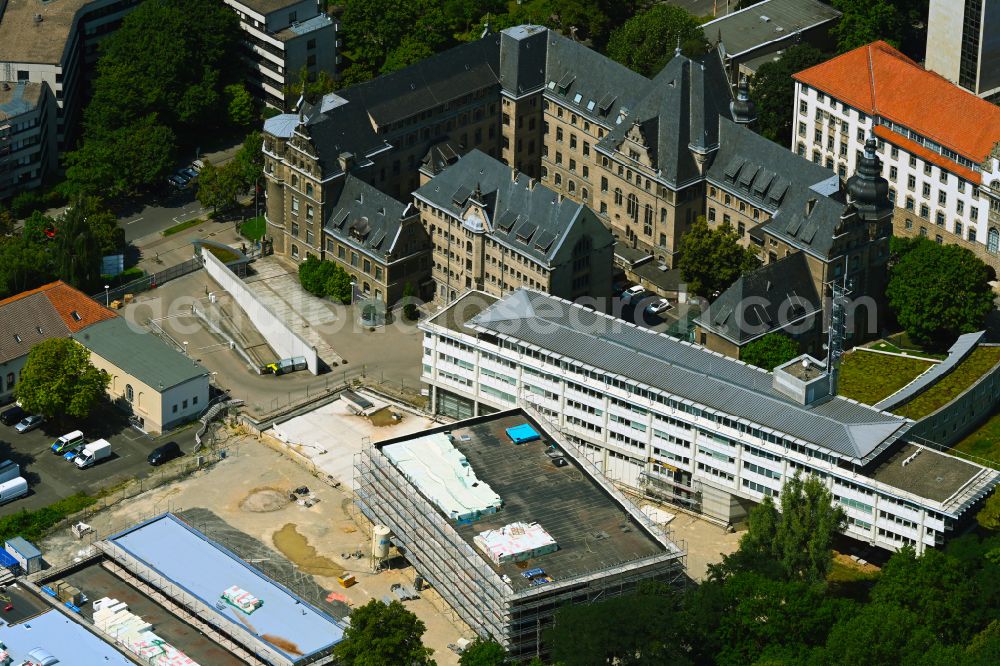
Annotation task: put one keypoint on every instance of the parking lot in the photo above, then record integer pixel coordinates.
(51, 478)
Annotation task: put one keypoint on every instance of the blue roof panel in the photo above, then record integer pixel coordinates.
(55, 634)
(205, 569)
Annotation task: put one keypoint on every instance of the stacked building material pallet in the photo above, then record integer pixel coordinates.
(113, 618)
(241, 599)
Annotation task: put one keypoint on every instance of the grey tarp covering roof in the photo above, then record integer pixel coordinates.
(855, 431)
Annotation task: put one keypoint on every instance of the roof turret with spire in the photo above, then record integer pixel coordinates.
(743, 109)
(867, 189)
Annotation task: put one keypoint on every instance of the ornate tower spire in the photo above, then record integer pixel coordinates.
(743, 109)
(867, 189)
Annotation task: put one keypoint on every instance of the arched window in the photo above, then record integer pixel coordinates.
(572, 187)
(993, 241)
(584, 193)
(295, 181)
(545, 172)
(632, 210)
(558, 179)
(468, 246)
(129, 393)
(649, 215)
(663, 216)
(309, 189)
(295, 252)
(618, 196)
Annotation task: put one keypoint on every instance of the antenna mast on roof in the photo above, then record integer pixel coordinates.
(837, 331)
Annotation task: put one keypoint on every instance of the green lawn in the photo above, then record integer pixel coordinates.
(253, 229)
(177, 228)
(949, 386)
(869, 377)
(983, 444)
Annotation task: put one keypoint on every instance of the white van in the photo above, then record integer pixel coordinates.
(9, 470)
(11, 490)
(67, 442)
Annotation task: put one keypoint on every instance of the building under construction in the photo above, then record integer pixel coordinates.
(509, 523)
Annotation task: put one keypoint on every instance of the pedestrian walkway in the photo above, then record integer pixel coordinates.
(279, 289)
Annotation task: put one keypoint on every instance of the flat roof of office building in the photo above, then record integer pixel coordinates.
(592, 529)
(204, 569)
(24, 38)
(469, 305)
(768, 21)
(926, 473)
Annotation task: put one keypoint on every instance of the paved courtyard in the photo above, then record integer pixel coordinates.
(330, 436)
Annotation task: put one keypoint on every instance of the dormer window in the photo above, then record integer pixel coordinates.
(76, 316)
(39, 329)
(17, 338)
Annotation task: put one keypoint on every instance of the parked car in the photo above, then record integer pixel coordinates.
(72, 452)
(658, 306)
(12, 489)
(66, 442)
(177, 182)
(164, 453)
(12, 415)
(188, 172)
(29, 423)
(632, 293)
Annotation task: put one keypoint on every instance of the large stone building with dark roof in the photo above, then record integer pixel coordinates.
(648, 156)
(496, 230)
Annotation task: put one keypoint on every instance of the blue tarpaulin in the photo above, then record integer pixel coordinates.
(523, 433)
(7, 560)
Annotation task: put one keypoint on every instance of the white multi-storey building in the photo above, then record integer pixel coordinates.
(282, 37)
(937, 142)
(673, 420)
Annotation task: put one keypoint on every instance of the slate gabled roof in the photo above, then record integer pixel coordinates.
(523, 213)
(855, 431)
(763, 301)
(803, 198)
(367, 217)
(679, 111)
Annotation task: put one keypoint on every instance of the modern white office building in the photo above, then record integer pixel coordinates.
(675, 421)
(938, 143)
(963, 43)
(280, 38)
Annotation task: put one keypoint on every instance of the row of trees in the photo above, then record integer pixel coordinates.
(67, 248)
(168, 72)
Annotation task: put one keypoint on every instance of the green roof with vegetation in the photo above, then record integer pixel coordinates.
(951, 385)
(870, 377)
(982, 445)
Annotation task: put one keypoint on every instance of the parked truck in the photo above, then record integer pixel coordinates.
(12, 489)
(9, 470)
(93, 453)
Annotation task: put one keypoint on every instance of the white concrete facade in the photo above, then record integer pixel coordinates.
(944, 204)
(667, 446)
(281, 42)
(963, 43)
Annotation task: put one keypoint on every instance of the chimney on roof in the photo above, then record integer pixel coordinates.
(531, 184)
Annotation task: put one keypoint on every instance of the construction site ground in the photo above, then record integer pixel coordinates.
(249, 511)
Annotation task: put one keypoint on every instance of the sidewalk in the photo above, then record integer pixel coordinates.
(158, 252)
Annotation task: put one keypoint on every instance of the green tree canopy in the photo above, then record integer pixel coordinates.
(163, 73)
(381, 634)
(641, 629)
(711, 259)
(647, 41)
(770, 351)
(772, 91)
(902, 23)
(483, 653)
(59, 381)
(796, 541)
(938, 292)
(240, 105)
(325, 278)
(219, 187)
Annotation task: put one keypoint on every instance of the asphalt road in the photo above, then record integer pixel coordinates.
(162, 214)
(51, 478)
